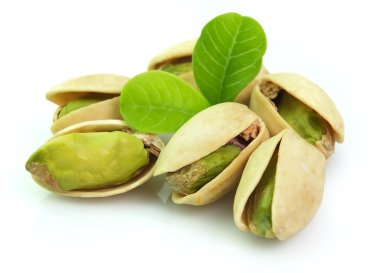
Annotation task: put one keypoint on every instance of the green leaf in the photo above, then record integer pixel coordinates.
(228, 55)
(158, 102)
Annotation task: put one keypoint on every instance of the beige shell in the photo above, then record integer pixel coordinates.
(80, 86)
(106, 84)
(305, 91)
(204, 133)
(298, 188)
(181, 50)
(178, 51)
(103, 110)
(108, 126)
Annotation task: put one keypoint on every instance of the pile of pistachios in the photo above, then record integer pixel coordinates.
(265, 135)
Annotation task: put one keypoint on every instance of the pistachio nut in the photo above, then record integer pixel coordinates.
(191, 178)
(286, 100)
(205, 158)
(95, 159)
(178, 61)
(91, 97)
(281, 187)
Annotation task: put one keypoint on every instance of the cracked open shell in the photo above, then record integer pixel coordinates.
(287, 100)
(281, 187)
(95, 159)
(204, 134)
(85, 98)
(176, 60)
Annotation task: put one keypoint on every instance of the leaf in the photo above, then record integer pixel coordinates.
(228, 55)
(158, 102)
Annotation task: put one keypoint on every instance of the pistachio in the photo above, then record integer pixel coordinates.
(74, 105)
(178, 69)
(174, 55)
(91, 97)
(191, 178)
(196, 147)
(260, 202)
(87, 161)
(94, 159)
(307, 123)
(286, 100)
(281, 187)
(176, 60)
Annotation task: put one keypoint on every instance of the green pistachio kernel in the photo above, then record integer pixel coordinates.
(178, 69)
(307, 123)
(86, 161)
(76, 104)
(260, 203)
(191, 178)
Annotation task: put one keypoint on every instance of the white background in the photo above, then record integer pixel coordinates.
(334, 43)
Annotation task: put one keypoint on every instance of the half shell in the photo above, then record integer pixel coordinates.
(299, 182)
(173, 53)
(204, 133)
(108, 126)
(303, 90)
(182, 51)
(105, 86)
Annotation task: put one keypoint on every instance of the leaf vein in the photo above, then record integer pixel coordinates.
(215, 45)
(242, 69)
(211, 56)
(153, 107)
(228, 61)
(245, 53)
(227, 31)
(247, 40)
(207, 70)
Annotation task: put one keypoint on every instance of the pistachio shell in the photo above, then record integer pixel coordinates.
(103, 110)
(298, 187)
(108, 126)
(204, 133)
(84, 85)
(305, 91)
(189, 77)
(178, 51)
(103, 87)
